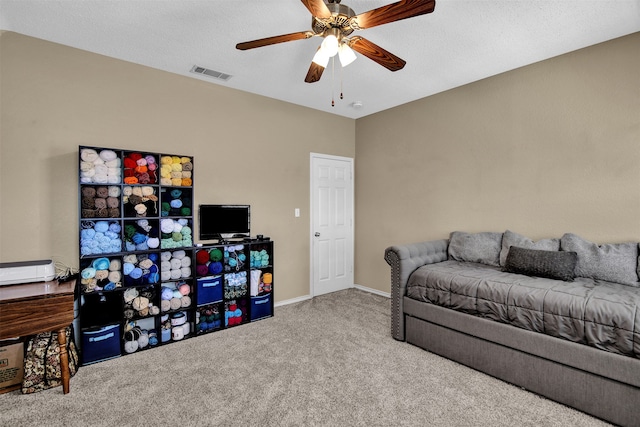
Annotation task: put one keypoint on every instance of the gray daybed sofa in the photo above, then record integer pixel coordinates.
(559, 317)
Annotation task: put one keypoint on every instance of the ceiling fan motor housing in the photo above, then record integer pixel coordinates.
(339, 19)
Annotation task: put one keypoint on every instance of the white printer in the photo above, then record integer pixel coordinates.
(12, 273)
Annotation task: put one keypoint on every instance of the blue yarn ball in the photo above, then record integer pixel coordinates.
(136, 273)
(215, 268)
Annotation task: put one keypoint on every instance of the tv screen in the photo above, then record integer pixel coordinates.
(224, 221)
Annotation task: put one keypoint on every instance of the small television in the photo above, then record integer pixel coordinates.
(221, 222)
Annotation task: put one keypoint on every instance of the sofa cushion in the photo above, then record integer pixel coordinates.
(541, 263)
(514, 239)
(601, 314)
(476, 247)
(611, 262)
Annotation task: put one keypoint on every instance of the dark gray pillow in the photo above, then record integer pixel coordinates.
(611, 262)
(541, 263)
(514, 239)
(475, 247)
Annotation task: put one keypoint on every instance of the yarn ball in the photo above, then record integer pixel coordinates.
(88, 273)
(184, 289)
(136, 273)
(215, 268)
(202, 270)
(215, 255)
(176, 303)
(101, 226)
(167, 293)
(114, 276)
(202, 257)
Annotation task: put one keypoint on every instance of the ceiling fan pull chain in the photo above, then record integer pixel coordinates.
(341, 95)
(333, 69)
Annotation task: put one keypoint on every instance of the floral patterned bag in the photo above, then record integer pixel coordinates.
(42, 361)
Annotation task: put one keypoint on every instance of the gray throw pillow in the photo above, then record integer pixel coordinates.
(611, 262)
(475, 247)
(514, 239)
(540, 263)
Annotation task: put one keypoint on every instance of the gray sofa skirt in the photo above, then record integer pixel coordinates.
(605, 385)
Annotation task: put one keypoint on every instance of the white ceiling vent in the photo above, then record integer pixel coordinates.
(211, 73)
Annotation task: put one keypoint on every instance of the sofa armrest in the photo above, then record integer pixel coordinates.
(404, 260)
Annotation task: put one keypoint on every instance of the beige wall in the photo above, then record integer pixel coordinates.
(542, 150)
(247, 148)
(546, 149)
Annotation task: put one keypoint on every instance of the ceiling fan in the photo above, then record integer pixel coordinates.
(336, 22)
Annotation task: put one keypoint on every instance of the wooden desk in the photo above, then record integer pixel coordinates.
(33, 308)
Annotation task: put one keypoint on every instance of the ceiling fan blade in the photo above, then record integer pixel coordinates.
(376, 53)
(317, 8)
(274, 40)
(393, 12)
(314, 73)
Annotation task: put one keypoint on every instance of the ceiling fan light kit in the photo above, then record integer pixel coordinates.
(336, 22)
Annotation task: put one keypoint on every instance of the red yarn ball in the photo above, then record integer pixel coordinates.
(202, 257)
(129, 163)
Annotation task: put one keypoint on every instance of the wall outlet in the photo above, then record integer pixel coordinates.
(296, 212)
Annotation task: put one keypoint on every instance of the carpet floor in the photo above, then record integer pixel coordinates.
(328, 361)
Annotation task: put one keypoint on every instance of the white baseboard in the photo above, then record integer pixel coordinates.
(373, 291)
(292, 300)
(308, 297)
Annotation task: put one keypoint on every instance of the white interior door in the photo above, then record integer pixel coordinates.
(331, 223)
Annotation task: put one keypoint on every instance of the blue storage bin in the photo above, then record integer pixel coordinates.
(100, 344)
(261, 307)
(209, 289)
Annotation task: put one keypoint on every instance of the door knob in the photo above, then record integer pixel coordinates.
(317, 234)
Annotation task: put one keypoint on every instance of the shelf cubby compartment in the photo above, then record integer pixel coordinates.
(209, 318)
(176, 171)
(260, 255)
(100, 343)
(209, 289)
(176, 233)
(140, 269)
(235, 312)
(261, 281)
(176, 265)
(139, 335)
(100, 274)
(140, 201)
(140, 302)
(100, 201)
(175, 326)
(140, 168)
(175, 296)
(99, 309)
(141, 235)
(261, 307)
(176, 202)
(235, 285)
(235, 258)
(100, 166)
(99, 237)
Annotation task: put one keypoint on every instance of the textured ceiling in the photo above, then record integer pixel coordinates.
(460, 42)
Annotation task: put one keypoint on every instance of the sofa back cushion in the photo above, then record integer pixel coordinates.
(475, 247)
(542, 263)
(611, 262)
(514, 239)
